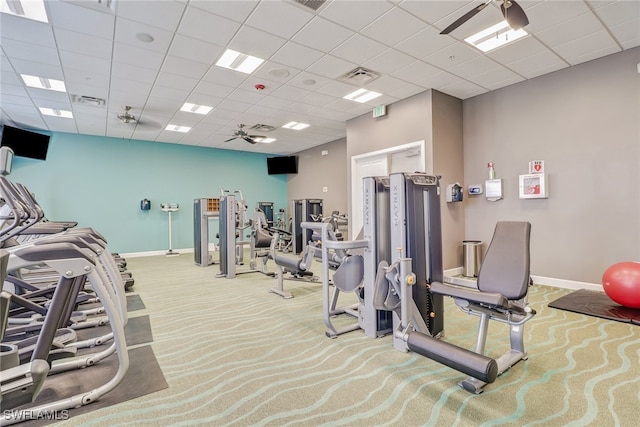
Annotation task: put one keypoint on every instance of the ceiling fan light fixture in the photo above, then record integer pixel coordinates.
(176, 128)
(56, 113)
(265, 140)
(238, 61)
(495, 36)
(195, 108)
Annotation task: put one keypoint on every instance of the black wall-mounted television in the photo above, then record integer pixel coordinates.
(282, 165)
(25, 143)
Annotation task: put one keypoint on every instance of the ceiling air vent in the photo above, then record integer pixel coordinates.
(312, 4)
(360, 76)
(262, 128)
(90, 101)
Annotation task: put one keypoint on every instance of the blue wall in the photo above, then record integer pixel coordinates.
(100, 181)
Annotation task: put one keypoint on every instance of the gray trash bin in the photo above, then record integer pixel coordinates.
(471, 257)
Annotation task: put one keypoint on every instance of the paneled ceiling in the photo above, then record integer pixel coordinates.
(101, 49)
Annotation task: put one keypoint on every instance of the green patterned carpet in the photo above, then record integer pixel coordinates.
(235, 354)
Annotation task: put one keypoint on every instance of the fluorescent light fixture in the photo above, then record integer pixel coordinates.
(194, 108)
(31, 9)
(296, 126)
(42, 83)
(495, 36)
(265, 140)
(362, 95)
(239, 61)
(176, 128)
(56, 113)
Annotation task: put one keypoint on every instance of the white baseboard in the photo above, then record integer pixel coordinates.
(155, 253)
(453, 275)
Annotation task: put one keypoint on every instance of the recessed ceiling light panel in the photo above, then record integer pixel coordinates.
(495, 36)
(362, 95)
(176, 128)
(239, 61)
(56, 113)
(296, 126)
(265, 140)
(194, 108)
(43, 83)
(31, 9)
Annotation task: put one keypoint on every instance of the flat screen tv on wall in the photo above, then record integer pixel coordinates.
(282, 165)
(25, 143)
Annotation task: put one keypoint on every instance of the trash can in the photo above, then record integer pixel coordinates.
(471, 257)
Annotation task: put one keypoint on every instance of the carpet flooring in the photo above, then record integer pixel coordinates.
(234, 354)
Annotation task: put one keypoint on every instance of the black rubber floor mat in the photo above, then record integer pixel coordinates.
(594, 303)
(144, 376)
(137, 331)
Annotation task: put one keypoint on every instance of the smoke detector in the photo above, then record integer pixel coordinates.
(359, 76)
(126, 116)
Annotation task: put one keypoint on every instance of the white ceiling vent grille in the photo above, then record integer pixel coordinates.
(262, 128)
(312, 4)
(90, 101)
(359, 76)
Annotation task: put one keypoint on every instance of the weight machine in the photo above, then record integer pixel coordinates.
(303, 210)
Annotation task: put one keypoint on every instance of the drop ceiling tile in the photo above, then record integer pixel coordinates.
(496, 78)
(358, 49)
(81, 19)
(10, 78)
(354, 15)
(231, 105)
(147, 12)
(232, 9)
(619, 12)
(322, 34)
(263, 111)
(280, 18)
(627, 34)
(256, 43)
(548, 14)
(184, 67)
(120, 71)
(28, 51)
(473, 67)
(337, 89)
(439, 80)
(434, 11)
(406, 91)
(291, 93)
(59, 124)
(26, 116)
(47, 95)
(403, 26)
(416, 71)
(127, 31)
(224, 76)
(270, 85)
(297, 55)
(274, 102)
(198, 24)
(272, 71)
(26, 30)
(213, 89)
(538, 64)
(39, 69)
(202, 99)
(13, 90)
(83, 79)
(176, 81)
(463, 89)
(317, 99)
(452, 55)
(331, 67)
(425, 43)
(250, 97)
(135, 89)
(80, 61)
(133, 55)
(572, 29)
(309, 81)
(194, 49)
(389, 61)
(519, 49)
(385, 84)
(588, 47)
(71, 41)
(16, 100)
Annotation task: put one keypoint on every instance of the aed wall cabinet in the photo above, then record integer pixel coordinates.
(534, 186)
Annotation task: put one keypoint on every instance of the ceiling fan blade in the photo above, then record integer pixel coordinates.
(514, 14)
(249, 140)
(464, 18)
(231, 139)
(256, 136)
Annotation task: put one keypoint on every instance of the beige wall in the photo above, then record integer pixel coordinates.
(316, 171)
(584, 122)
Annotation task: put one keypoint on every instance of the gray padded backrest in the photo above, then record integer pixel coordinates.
(505, 268)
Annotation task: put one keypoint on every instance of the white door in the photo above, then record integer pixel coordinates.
(376, 165)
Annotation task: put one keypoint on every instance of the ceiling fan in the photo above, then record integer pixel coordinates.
(126, 116)
(240, 133)
(512, 12)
